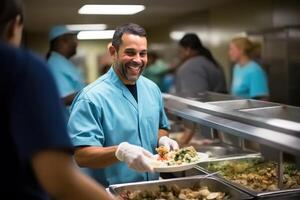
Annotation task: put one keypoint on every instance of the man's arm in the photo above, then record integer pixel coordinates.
(161, 133)
(67, 100)
(95, 157)
(64, 181)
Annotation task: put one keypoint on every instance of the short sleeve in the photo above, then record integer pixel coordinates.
(37, 118)
(258, 84)
(84, 124)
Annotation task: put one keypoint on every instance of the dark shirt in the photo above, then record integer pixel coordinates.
(31, 120)
(197, 75)
(133, 91)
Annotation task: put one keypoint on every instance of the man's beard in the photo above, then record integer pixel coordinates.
(131, 71)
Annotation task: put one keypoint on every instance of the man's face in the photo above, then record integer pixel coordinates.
(71, 43)
(131, 58)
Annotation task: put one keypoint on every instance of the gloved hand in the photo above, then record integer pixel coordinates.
(135, 157)
(169, 143)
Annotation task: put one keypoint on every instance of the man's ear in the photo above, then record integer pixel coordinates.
(112, 50)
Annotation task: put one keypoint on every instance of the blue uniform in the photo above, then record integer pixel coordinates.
(68, 78)
(249, 81)
(105, 114)
(31, 120)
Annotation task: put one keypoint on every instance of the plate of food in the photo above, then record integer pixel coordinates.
(179, 160)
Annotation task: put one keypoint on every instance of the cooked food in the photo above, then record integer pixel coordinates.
(257, 174)
(174, 193)
(181, 156)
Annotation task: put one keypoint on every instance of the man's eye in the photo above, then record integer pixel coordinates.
(143, 54)
(130, 53)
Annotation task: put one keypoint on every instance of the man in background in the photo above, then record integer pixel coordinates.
(68, 78)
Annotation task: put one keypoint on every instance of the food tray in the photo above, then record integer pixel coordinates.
(283, 193)
(213, 184)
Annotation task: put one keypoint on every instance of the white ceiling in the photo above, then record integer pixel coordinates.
(42, 14)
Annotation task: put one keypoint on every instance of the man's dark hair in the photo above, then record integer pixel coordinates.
(191, 40)
(9, 10)
(130, 28)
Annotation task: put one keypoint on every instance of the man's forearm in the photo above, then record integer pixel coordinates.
(63, 180)
(67, 100)
(95, 157)
(161, 133)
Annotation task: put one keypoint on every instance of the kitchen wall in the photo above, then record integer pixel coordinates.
(216, 28)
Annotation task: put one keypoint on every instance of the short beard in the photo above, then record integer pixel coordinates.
(123, 69)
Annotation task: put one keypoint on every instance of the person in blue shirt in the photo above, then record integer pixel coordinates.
(69, 80)
(36, 150)
(117, 121)
(249, 79)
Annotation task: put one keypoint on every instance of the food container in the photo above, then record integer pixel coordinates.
(280, 194)
(222, 150)
(243, 104)
(213, 184)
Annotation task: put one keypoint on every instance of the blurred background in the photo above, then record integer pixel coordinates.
(273, 23)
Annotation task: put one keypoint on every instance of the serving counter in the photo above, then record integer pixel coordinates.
(275, 127)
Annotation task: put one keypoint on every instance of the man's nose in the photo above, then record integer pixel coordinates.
(137, 58)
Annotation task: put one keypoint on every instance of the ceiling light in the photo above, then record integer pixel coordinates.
(91, 9)
(177, 35)
(95, 35)
(86, 27)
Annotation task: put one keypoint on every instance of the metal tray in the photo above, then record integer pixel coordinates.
(280, 194)
(213, 184)
(281, 112)
(243, 104)
(218, 150)
(212, 96)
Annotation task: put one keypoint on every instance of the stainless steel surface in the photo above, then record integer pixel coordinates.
(221, 150)
(212, 96)
(243, 104)
(290, 113)
(213, 184)
(215, 117)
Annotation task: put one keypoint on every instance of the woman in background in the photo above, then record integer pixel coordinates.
(249, 79)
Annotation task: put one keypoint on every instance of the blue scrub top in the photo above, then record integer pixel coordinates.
(105, 114)
(67, 76)
(249, 81)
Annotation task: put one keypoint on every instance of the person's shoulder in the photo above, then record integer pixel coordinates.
(100, 87)
(23, 59)
(253, 67)
(149, 85)
(147, 82)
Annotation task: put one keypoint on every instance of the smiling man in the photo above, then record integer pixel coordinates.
(117, 122)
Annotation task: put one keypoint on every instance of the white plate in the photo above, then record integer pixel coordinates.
(182, 167)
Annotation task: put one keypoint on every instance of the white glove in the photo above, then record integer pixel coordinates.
(169, 143)
(135, 157)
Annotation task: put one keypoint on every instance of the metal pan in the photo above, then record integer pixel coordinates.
(212, 183)
(259, 195)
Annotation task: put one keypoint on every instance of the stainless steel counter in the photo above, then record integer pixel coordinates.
(279, 134)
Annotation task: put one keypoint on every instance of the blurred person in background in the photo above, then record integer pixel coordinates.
(117, 121)
(199, 72)
(68, 78)
(36, 149)
(105, 61)
(156, 70)
(249, 79)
